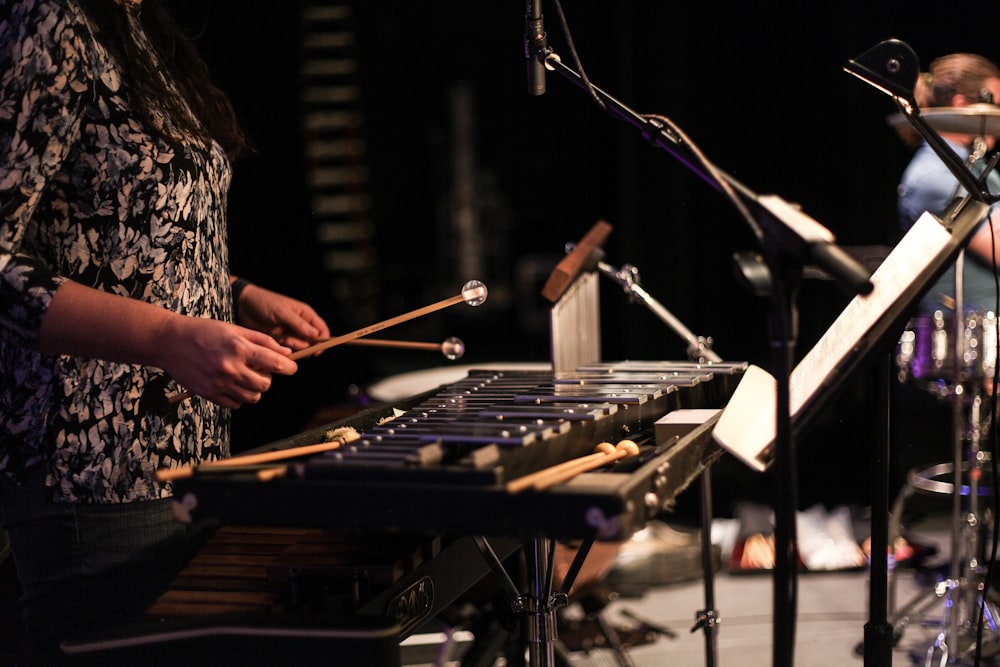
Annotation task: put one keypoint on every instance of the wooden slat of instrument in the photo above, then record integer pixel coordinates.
(569, 267)
(257, 568)
(304, 596)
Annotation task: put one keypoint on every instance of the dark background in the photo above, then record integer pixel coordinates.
(759, 87)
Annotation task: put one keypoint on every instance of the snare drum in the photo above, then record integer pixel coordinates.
(926, 349)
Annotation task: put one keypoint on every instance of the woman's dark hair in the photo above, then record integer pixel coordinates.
(213, 114)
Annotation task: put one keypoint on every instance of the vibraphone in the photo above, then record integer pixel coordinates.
(439, 464)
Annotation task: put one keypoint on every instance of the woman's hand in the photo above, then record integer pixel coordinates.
(225, 363)
(290, 321)
(221, 362)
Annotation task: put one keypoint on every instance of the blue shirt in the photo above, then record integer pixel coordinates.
(928, 185)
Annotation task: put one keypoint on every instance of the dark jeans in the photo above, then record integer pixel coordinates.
(84, 568)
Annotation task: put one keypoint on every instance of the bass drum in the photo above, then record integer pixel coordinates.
(926, 349)
(405, 385)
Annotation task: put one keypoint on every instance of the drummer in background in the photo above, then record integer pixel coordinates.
(955, 80)
(114, 293)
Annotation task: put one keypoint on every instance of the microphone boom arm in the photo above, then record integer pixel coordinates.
(852, 276)
(699, 347)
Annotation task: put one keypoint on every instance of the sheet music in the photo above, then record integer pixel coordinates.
(926, 240)
(747, 425)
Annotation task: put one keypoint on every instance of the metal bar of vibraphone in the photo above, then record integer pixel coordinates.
(456, 413)
(455, 481)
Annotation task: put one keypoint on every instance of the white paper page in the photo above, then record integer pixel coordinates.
(747, 425)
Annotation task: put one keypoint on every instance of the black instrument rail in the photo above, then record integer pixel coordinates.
(608, 505)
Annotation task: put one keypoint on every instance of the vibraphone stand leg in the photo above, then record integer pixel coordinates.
(538, 606)
(708, 618)
(700, 350)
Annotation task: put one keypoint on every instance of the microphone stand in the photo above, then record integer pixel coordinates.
(788, 240)
(700, 350)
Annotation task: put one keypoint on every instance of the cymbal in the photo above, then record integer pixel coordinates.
(978, 119)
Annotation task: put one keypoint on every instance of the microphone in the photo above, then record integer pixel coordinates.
(534, 44)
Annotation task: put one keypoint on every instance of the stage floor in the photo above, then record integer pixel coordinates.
(833, 609)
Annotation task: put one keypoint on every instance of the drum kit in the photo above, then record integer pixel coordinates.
(954, 358)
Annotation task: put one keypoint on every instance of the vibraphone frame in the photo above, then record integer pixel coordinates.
(609, 505)
(369, 636)
(605, 505)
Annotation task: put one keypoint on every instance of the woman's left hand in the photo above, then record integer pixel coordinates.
(290, 321)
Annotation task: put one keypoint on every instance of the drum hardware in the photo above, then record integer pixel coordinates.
(540, 605)
(892, 67)
(699, 347)
(980, 119)
(972, 365)
(928, 351)
(962, 591)
(929, 345)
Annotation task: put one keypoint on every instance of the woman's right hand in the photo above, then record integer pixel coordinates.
(224, 363)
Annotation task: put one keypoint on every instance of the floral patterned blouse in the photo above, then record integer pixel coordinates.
(88, 194)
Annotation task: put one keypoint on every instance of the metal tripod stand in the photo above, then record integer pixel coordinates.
(961, 594)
